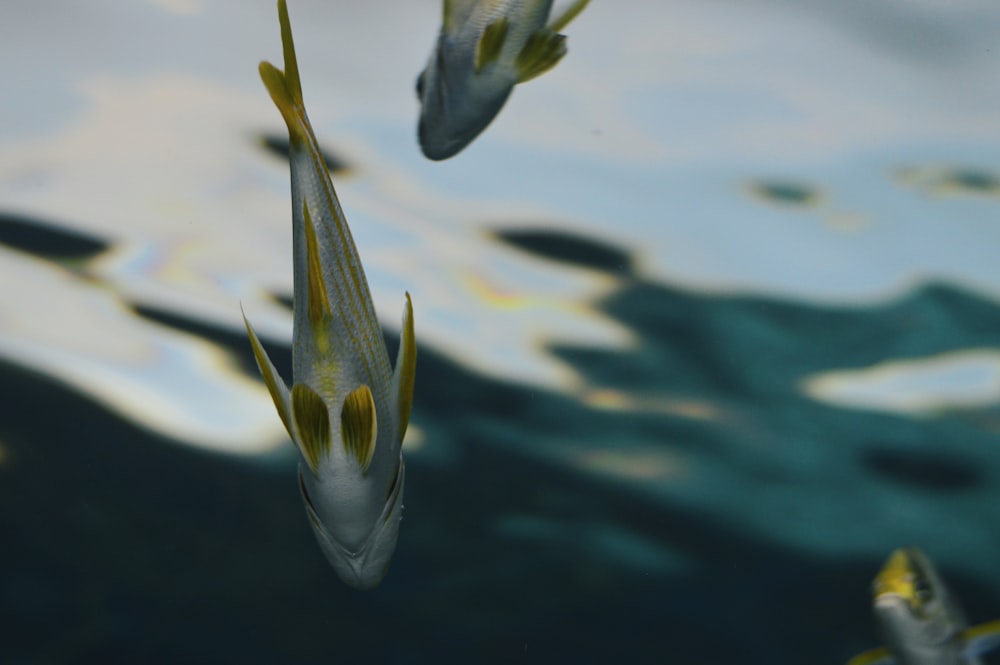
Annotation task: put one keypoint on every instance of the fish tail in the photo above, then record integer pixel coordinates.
(285, 87)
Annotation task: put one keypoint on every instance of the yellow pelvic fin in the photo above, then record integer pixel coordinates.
(275, 385)
(312, 421)
(284, 86)
(319, 303)
(541, 52)
(358, 425)
(561, 21)
(406, 369)
(879, 656)
(491, 43)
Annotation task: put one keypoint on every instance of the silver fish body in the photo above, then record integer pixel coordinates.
(484, 49)
(919, 618)
(347, 410)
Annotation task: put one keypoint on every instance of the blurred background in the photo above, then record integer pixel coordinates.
(708, 324)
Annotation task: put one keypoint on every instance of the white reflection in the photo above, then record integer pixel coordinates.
(962, 379)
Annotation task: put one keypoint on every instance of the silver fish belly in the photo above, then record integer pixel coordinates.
(347, 410)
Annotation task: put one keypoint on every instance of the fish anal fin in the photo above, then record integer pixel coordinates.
(879, 656)
(358, 425)
(491, 43)
(285, 86)
(312, 423)
(541, 52)
(272, 380)
(405, 370)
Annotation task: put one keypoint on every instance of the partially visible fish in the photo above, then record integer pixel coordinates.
(484, 48)
(347, 410)
(920, 620)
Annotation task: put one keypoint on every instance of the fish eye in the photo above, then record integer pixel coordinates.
(420, 84)
(922, 590)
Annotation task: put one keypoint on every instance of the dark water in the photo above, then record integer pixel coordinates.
(124, 547)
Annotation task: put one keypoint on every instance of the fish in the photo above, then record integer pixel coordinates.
(484, 48)
(919, 618)
(347, 410)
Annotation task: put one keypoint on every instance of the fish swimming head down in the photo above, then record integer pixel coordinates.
(347, 410)
(915, 613)
(920, 620)
(485, 47)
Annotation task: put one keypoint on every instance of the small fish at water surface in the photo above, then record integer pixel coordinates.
(920, 620)
(347, 410)
(484, 48)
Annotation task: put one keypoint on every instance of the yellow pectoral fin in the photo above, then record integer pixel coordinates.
(275, 385)
(879, 656)
(541, 52)
(491, 43)
(358, 425)
(406, 369)
(312, 422)
(284, 87)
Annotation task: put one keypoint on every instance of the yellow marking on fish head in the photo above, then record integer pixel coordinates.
(358, 425)
(902, 576)
(312, 421)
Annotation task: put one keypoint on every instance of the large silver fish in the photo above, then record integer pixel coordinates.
(484, 48)
(920, 620)
(347, 410)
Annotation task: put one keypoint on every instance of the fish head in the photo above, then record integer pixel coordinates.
(913, 609)
(457, 102)
(361, 567)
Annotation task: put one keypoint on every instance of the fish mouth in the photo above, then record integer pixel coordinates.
(362, 568)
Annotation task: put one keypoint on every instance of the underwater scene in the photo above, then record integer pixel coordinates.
(682, 319)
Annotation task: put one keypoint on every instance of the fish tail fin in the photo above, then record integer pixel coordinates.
(285, 87)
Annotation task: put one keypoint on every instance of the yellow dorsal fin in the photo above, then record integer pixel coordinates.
(541, 52)
(491, 42)
(312, 422)
(285, 87)
(358, 426)
(319, 304)
(406, 369)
